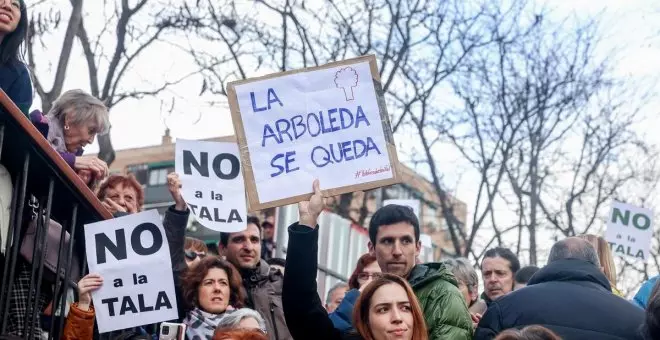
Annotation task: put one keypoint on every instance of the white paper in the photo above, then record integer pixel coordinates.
(276, 102)
(121, 276)
(217, 201)
(630, 230)
(413, 204)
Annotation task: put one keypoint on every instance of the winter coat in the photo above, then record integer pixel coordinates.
(15, 81)
(51, 129)
(342, 317)
(303, 309)
(264, 294)
(79, 324)
(571, 297)
(444, 307)
(641, 299)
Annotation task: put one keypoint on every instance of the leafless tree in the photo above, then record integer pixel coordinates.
(131, 28)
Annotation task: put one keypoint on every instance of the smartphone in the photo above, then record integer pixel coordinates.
(172, 331)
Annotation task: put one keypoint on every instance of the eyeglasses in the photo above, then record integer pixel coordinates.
(191, 255)
(364, 276)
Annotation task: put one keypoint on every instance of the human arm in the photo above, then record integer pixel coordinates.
(303, 310)
(80, 321)
(20, 91)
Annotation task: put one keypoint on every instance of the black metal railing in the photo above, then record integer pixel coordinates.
(39, 175)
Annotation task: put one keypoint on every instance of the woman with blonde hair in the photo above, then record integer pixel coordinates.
(605, 258)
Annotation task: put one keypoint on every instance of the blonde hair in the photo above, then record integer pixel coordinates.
(79, 107)
(604, 256)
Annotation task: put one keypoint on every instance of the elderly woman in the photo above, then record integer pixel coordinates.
(71, 124)
(468, 284)
(244, 318)
(121, 195)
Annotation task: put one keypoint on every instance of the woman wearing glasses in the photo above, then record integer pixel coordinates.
(366, 270)
(194, 250)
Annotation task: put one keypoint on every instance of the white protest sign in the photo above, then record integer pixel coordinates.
(630, 230)
(328, 123)
(132, 255)
(212, 183)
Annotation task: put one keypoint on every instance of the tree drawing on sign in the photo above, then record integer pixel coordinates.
(346, 79)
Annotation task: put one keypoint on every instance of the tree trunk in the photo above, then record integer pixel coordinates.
(106, 150)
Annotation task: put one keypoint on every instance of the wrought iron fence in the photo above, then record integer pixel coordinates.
(39, 175)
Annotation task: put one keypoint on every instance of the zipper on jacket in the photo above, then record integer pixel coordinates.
(272, 319)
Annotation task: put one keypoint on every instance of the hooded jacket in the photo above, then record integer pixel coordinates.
(570, 297)
(641, 299)
(444, 307)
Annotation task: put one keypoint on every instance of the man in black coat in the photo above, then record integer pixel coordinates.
(570, 296)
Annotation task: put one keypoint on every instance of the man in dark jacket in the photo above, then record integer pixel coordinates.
(263, 285)
(394, 234)
(570, 296)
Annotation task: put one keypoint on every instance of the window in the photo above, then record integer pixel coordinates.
(158, 176)
(140, 171)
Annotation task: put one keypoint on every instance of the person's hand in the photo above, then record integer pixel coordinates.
(86, 285)
(476, 317)
(112, 206)
(174, 186)
(309, 211)
(98, 167)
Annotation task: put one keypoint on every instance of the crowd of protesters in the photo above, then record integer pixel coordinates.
(237, 289)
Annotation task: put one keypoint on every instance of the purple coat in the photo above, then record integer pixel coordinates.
(51, 130)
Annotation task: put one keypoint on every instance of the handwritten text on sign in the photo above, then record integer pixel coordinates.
(132, 255)
(323, 124)
(630, 230)
(212, 183)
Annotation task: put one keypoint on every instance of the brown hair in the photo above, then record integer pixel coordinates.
(362, 262)
(196, 245)
(238, 334)
(361, 309)
(604, 256)
(533, 332)
(125, 180)
(193, 277)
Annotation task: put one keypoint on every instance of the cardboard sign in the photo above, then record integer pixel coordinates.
(212, 183)
(630, 230)
(327, 122)
(132, 256)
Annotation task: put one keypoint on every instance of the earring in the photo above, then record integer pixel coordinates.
(66, 127)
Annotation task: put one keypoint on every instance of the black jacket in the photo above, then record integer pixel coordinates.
(572, 298)
(303, 310)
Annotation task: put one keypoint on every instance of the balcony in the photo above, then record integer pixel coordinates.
(38, 171)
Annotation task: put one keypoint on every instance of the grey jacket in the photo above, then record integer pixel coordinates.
(264, 289)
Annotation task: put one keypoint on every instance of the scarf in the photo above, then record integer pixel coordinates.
(201, 325)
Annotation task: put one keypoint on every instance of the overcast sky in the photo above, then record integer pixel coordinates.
(629, 28)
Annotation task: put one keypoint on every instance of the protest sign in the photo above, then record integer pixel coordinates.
(630, 230)
(328, 123)
(212, 183)
(132, 256)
